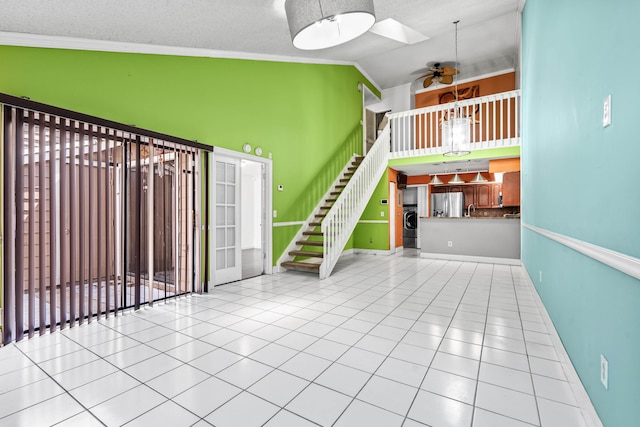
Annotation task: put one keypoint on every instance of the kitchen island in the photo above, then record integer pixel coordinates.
(494, 240)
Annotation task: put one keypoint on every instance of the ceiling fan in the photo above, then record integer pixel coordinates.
(438, 73)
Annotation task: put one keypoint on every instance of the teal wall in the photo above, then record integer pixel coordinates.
(581, 180)
(306, 115)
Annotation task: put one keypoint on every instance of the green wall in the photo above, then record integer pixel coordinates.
(580, 180)
(306, 115)
(374, 236)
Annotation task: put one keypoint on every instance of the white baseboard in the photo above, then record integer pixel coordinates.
(374, 252)
(469, 258)
(584, 402)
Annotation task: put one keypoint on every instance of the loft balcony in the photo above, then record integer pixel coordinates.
(495, 123)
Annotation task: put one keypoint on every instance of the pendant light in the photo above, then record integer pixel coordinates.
(456, 132)
(456, 180)
(319, 24)
(436, 180)
(479, 178)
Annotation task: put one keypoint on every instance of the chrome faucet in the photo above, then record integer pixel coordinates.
(469, 209)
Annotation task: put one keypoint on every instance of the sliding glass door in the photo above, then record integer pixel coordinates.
(95, 219)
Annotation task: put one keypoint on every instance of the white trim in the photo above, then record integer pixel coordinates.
(617, 260)
(57, 42)
(268, 198)
(470, 258)
(288, 224)
(373, 221)
(579, 392)
(462, 81)
(373, 252)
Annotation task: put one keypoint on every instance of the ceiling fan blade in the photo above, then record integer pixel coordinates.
(449, 71)
(427, 82)
(447, 80)
(425, 75)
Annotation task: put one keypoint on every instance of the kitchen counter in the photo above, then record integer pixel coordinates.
(467, 217)
(478, 239)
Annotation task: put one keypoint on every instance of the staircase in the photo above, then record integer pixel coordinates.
(321, 240)
(309, 252)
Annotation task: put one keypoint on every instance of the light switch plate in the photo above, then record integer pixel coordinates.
(606, 113)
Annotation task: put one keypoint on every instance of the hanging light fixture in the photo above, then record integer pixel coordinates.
(436, 180)
(456, 131)
(479, 178)
(456, 180)
(319, 24)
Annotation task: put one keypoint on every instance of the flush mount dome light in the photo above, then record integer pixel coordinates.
(320, 24)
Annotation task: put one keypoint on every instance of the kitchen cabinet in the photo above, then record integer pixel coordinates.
(511, 189)
(483, 196)
(439, 189)
(455, 188)
(496, 189)
(469, 195)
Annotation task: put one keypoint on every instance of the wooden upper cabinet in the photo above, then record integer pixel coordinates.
(483, 196)
(496, 189)
(439, 189)
(511, 189)
(469, 195)
(455, 189)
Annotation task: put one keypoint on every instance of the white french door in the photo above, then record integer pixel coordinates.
(228, 255)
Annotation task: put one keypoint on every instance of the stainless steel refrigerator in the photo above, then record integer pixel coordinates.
(447, 204)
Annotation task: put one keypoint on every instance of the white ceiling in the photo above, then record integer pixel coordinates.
(489, 31)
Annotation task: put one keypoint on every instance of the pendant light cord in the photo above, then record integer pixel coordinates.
(456, 45)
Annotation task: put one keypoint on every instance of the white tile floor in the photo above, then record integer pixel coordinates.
(386, 341)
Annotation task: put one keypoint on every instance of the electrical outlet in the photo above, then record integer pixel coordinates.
(606, 113)
(604, 371)
(540, 274)
(450, 243)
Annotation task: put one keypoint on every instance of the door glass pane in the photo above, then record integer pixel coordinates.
(231, 215)
(231, 257)
(231, 173)
(220, 215)
(220, 243)
(220, 172)
(231, 194)
(219, 193)
(220, 257)
(231, 236)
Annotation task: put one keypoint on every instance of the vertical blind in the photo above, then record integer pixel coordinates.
(95, 219)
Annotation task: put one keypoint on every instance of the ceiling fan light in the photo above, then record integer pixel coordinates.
(326, 23)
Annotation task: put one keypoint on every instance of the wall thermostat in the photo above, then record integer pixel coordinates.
(384, 202)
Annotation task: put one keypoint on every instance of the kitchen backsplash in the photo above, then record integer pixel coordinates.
(493, 213)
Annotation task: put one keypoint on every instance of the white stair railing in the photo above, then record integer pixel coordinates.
(343, 217)
(495, 122)
(293, 245)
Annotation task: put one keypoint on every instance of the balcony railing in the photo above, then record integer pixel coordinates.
(495, 122)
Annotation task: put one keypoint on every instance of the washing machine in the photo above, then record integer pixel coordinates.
(410, 226)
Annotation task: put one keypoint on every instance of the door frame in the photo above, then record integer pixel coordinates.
(368, 98)
(392, 216)
(267, 207)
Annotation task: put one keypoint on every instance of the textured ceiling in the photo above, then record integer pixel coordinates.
(488, 30)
